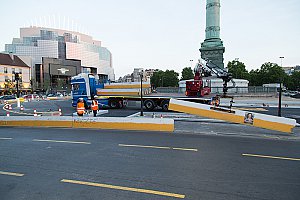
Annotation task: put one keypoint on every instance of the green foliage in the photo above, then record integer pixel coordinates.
(187, 73)
(238, 69)
(293, 82)
(169, 78)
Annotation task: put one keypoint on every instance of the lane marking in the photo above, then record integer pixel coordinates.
(184, 149)
(11, 173)
(61, 141)
(272, 157)
(181, 196)
(157, 147)
(142, 146)
(5, 138)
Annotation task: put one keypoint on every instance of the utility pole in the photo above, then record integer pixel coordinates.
(280, 91)
(141, 76)
(17, 78)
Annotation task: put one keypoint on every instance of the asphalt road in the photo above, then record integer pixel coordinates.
(102, 164)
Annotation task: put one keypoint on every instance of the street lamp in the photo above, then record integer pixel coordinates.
(162, 81)
(141, 76)
(191, 63)
(280, 91)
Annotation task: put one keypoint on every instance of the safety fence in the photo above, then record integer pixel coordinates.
(234, 90)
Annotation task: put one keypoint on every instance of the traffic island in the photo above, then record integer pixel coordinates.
(117, 123)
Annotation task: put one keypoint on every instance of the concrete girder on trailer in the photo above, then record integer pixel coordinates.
(237, 116)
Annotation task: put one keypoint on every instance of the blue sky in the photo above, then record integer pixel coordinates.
(167, 34)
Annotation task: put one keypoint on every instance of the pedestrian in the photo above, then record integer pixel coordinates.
(80, 107)
(94, 105)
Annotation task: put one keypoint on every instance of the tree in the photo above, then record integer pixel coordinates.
(294, 81)
(169, 78)
(254, 78)
(238, 69)
(271, 73)
(157, 78)
(187, 73)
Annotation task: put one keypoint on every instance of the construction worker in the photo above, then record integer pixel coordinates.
(94, 105)
(80, 107)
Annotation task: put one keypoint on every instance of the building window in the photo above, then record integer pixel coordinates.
(20, 71)
(5, 70)
(13, 70)
(6, 78)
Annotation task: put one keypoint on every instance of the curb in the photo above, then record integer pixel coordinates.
(117, 123)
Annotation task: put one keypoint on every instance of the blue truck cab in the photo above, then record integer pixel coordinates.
(85, 86)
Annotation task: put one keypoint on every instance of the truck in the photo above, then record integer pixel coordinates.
(86, 86)
(205, 68)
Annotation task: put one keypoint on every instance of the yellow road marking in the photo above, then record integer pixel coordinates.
(61, 141)
(272, 157)
(157, 147)
(11, 173)
(124, 188)
(5, 138)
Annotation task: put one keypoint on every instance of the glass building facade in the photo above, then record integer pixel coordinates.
(39, 42)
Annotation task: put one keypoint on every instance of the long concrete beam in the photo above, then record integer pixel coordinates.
(118, 123)
(237, 116)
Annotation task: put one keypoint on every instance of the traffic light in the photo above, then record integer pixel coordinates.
(17, 76)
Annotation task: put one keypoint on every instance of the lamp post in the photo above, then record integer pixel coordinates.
(141, 76)
(280, 91)
(17, 78)
(162, 81)
(191, 63)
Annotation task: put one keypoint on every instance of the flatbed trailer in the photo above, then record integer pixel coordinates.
(150, 102)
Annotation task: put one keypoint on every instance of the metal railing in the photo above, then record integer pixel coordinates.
(219, 90)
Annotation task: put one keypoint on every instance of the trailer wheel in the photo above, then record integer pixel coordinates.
(113, 104)
(165, 105)
(149, 104)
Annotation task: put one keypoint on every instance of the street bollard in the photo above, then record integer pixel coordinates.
(7, 114)
(18, 102)
(59, 110)
(35, 113)
(22, 108)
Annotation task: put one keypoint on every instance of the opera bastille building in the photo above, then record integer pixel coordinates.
(56, 55)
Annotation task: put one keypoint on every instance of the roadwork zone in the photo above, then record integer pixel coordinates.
(118, 123)
(237, 116)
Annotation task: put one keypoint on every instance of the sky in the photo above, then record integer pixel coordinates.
(167, 34)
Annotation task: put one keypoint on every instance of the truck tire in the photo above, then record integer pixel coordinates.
(113, 104)
(149, 104)
(165, 105)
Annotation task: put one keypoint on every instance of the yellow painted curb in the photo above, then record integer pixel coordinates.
(104, 123)
(125, 126)
(38, 123)
(207, 113)
(260, 120)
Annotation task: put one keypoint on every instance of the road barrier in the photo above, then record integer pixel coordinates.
(147, 124)
(237, 116)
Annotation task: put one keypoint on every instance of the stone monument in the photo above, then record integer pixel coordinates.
(212, 47)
